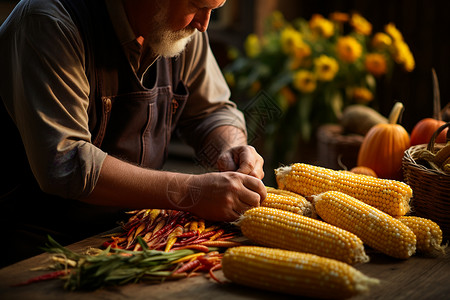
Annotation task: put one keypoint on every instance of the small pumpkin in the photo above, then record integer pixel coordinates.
(384, 145)
(425, 128)
(364, 171)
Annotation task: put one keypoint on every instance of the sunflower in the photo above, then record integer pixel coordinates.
(304, 81)
(290, 40)
(348, 49)
(321, 26)
(360, 24)
(376, 64)
(326, 68)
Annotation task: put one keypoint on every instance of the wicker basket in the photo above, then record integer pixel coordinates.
(336, 149)
(431, 188)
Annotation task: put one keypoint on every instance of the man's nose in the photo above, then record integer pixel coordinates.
(201, 20)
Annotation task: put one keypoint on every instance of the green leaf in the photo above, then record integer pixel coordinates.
(105, 268)
(142, 243)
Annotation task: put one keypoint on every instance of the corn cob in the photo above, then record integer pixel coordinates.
(282, 229)
(296, 273)
(288, 201)
(390, 196)
(375, 228)
(428, 234)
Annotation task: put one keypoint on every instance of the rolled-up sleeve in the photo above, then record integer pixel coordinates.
(209, 105)
(45, 90)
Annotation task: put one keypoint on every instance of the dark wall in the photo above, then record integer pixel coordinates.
(425, 25)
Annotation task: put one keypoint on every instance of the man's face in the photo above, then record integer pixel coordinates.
(175, 23)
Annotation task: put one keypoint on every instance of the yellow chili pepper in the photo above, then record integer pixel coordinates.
(188, 257)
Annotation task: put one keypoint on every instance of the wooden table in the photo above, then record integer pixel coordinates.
(416, 278)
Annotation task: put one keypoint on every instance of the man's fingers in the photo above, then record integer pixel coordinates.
(251, 163)
(254, 193)
(245, 160)
(225, 162)
(246, 167)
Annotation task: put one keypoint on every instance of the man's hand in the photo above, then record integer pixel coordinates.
(233, 152)
(242, 159)
(224, 196)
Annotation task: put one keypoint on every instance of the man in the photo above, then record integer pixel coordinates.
(92, 90)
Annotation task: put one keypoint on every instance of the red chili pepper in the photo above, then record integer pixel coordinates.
(107, 243)
(207, 234)
(206, 262)
(189, 240)
(187, 234)
(44, 277)
(211, 272)
(182, 220)
(198, 241)
(164, 229)
(187, 266)
(232, 234)
(224, 238)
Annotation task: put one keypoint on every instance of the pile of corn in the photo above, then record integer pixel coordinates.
(315, 227)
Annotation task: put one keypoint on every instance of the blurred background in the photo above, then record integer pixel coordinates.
(425, 27)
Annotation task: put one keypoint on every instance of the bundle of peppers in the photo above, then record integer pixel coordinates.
(153, 246)
(172, 230)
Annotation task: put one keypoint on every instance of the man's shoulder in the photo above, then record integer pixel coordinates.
(50, 8)
(197, 45)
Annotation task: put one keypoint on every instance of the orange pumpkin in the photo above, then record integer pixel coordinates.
(425, 128)
(384, 145)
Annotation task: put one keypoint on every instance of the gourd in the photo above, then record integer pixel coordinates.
(358, 118)
(384, 145)
(424, 129)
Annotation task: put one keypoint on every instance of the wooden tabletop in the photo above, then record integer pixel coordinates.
(415, 278)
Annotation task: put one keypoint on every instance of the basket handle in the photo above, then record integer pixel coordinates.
(430, 146)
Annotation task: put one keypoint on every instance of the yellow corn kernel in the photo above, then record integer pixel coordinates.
(390, 196)
(286, 230)
(428, 234)
(288, 201)
(375, 228)
(296, 273)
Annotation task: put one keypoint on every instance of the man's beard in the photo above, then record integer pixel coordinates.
(169, 43)
(166, 42)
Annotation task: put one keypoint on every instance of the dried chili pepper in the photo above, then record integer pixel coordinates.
(48, 276)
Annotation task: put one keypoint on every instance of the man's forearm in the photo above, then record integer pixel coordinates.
(125, 185)
(218, 141)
